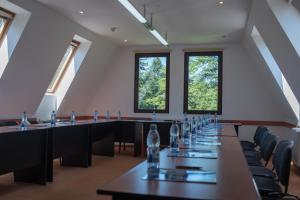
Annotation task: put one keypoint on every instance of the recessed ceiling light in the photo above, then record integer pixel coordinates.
(221, 2)
(125, 40)
(81, 12)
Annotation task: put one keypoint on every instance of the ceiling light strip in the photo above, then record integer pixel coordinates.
(133, 11)
(159, 37)
(130, 7)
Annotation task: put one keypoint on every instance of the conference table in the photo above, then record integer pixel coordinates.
(24, 153)
(29, 153)
(233, 178)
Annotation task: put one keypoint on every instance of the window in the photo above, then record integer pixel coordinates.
(6, 18)
(289, 19)
(203, 82)
(276, 72)
(65, 63)
(152, 82)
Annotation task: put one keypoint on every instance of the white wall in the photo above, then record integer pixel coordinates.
(245, 93)
(37, 56)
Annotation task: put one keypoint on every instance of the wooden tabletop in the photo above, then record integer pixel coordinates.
(234, 180)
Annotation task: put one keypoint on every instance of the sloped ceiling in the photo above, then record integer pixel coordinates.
(185, 21)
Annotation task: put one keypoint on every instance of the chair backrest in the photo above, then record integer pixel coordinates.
(262, 137)
(258, 134)
(268, 147)
(284, 164)
(280, 146)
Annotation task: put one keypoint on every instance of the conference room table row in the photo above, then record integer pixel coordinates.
(29, 153)
(233, 178)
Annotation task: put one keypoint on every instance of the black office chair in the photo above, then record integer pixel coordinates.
(267, 149)
(248, 152)
(258, 141)
(270, 188)
(265, 172)
(256, 138)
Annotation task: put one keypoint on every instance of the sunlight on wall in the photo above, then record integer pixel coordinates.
(274, 68)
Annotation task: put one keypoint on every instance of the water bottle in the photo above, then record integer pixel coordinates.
(53, 118)
(194, 129)
(174, 137)
(96, 115)
(107, 116)
(153, 142)
(206, 121)
(154, 116)
(186, 131)
(23, 125)
(184, 115)
(73, 117)
(199, 125)
(119, 115)
(216, 119)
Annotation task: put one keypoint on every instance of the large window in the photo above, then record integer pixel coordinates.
(6, 18)
(152, 82)
(203, 82)
(62, 69)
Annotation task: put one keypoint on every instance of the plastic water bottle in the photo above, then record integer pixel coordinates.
(174, 137)
(199, 125)
(184, 115)
(23, 125)
(194, 129)
(216, 119)
(154, 116)
(96, 115)
(153, 142)
(119, 115)
(186, 131)
(107, 116)
(53, 118)
(206, 121)
(73, 117)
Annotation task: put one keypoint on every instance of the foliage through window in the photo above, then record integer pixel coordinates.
(152, 82)
(6, 18)
(65, 63)
(203, 82)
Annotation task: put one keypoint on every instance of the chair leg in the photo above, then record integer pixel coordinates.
(124, 146)
(119, 147)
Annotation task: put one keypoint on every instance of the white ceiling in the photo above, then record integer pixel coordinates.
(185, 21)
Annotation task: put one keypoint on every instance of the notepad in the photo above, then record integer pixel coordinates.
(209, 143)
(178, 175)
(209, 154)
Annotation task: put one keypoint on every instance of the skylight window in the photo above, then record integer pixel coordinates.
(276, 72)
(62, 69)
(289, 18)
(6, 18)
(63, 77)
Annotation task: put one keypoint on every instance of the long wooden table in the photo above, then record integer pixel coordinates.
(234, 180)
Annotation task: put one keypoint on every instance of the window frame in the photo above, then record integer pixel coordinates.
(7, 23)
(220, 81)
(57, 82)
(136, 82)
